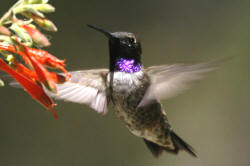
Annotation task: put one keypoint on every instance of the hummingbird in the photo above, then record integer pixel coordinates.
(134, 91)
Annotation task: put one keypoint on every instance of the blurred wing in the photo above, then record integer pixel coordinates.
(10, 80)
(169, 80)
(85, 87)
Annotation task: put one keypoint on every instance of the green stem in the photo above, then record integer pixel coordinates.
(8, 14)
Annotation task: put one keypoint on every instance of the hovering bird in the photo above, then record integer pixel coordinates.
(134, 91)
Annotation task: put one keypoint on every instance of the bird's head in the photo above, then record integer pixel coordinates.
(122, 46)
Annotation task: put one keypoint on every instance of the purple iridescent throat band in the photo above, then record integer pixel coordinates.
(128, 66)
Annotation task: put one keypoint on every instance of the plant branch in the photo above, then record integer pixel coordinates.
(8, 14)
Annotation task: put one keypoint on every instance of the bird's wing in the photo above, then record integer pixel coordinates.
(85, 87)
(169, 80)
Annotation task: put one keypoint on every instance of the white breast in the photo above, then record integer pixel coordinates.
(125, 81)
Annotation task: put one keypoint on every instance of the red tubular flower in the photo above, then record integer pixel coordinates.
(48, 60)
(41, 56)
(8, 47)
(30, 74)
(18, 36)
(43, 74)
(11, 48)
(59, 79)
(20, 68)
(35, 91)
(31, 79)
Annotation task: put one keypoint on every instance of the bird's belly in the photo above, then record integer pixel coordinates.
(147, 122)
(127, 91)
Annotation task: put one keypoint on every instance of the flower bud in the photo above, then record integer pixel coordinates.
(28, 9)
(10, 58)
(4, 31)
(1, 83)
(44, 23)
(45, 8)
(37, 37)
(35, 8)
(35, 1)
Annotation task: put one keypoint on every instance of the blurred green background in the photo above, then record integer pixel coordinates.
(214, 116)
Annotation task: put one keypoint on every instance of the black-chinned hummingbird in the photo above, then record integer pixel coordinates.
(134, 91)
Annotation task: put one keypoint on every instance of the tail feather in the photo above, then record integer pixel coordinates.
(178, 143)
(155, 149)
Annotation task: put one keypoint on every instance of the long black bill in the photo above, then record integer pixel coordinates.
(106, 33)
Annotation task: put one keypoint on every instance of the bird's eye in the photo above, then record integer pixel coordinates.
(131, 40)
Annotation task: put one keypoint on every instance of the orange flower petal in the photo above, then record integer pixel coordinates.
(42, 73)
(8, 47)
(49, 60)
(20, 68)
(41, 56)
(35, 91)
(57, 78)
